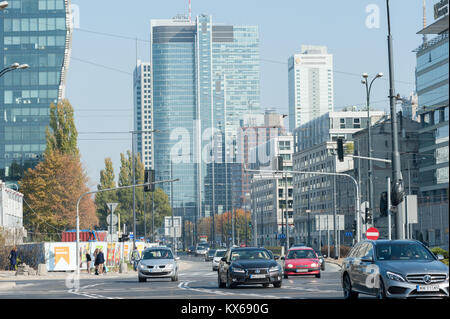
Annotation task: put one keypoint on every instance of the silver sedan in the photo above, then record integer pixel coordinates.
(157, 262)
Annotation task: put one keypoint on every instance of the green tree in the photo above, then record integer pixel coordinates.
(62, 134)
(107, 180)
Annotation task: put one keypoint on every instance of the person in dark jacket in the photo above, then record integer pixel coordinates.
(13, 259)
(100, 260)
(96, 260)
(88, 262)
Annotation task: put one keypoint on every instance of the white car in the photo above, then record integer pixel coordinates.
(201, 250)
(217, 257)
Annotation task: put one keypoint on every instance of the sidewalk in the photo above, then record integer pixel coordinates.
(334, 261)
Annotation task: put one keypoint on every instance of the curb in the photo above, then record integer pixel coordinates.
(333, 262)
(7, 285)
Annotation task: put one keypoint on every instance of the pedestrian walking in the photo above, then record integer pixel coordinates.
(100, 260)
(88, 262)
(13, 258)
(96, 260)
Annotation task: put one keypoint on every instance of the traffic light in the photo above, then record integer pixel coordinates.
(149, 178)
(383, 204)
(340, 149)
(250, 224)
(354, 227)
(397, 193)
(369, 216)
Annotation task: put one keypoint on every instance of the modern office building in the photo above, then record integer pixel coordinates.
(204, 76)
(37, 33)
(254, 131)
(143, 112)
(268, 191)
(432, 85)
(310, 80)
(410, 107)
(314, 150)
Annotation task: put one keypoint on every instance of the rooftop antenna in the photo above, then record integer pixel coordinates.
(190, 11)
(424, 20)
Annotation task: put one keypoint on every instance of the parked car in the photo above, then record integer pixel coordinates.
(248, 266)
(394, 269)
(157, 262)
(209, 256)
(201, 249)
(301, 261)
(217, 257)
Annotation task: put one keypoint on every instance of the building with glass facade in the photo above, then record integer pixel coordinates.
(36, 33)
(204, 76)
(432, 85)
(310, 84)
(143, 112)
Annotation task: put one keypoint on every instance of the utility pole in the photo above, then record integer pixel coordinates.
(287, 211)
(397, 180)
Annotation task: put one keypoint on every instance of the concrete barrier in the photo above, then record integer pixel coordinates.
(123, 268)
(42, 270)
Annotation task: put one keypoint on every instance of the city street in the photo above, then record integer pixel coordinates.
(196, 281)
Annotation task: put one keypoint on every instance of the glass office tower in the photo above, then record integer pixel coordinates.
(204, 76)
(36, 33)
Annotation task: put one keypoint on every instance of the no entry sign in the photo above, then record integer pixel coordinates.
(372, 233)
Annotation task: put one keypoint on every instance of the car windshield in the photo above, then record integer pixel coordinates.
(301, 254)
(220, 253)
(211, 252)
(403, 251)
(157, 254)
(253, 254)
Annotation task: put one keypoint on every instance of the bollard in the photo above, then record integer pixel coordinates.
(42, 270)
(123, 268)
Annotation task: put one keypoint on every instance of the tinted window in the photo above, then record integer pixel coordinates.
(157, 254)
(250, 254)
(403, 251)
(301, 254)
(220, 253)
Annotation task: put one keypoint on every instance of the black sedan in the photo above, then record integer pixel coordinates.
(249, 266)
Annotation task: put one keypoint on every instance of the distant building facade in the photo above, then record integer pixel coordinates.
(11, 215)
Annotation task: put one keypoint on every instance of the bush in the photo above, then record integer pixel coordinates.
(344, 250)
(439, 251)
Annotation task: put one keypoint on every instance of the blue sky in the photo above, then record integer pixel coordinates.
(99, 83)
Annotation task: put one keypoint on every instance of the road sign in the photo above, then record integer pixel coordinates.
(281, 236)
(112, 206)
(348, 234)
(131, 236)
(372, 233)
(115, 219)
(112, 229)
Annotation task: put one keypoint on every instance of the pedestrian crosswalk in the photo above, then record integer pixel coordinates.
(198, 274)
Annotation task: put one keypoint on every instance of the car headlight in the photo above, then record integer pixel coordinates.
(169, 266)
(290, 266)
(239, 270)
(142, 266)
(394, 276)
(275, 268)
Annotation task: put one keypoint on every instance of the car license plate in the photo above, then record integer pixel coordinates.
(302, 270)
(257, 276)
(428, 288)
(155, 270)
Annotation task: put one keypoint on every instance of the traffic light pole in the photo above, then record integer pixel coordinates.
(357, 201)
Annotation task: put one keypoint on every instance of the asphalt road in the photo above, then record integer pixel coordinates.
(196, 281)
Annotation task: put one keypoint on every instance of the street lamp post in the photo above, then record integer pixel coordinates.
(369, 137)
(12, 67)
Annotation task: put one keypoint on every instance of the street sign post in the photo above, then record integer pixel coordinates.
(372, 233)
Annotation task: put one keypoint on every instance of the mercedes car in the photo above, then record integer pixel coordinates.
(157, 262)
(249, 266)
(394, 269)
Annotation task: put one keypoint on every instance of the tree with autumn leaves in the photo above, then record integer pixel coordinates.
(53, 187)
(223, 226)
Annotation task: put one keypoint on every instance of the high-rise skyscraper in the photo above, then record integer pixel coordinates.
(37, 33)
(143, 112)
(204, 76)
(310, 76)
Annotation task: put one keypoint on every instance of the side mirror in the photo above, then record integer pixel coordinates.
(282, 258)
(224, 259)
(367, 259)
(177, 258)
(324, 256)
(276, 257)
(440, 257)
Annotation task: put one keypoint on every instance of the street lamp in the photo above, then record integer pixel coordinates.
(3, 5)
(12, 67)
(369, 138)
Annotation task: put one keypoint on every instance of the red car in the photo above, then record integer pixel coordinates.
(301, 261)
